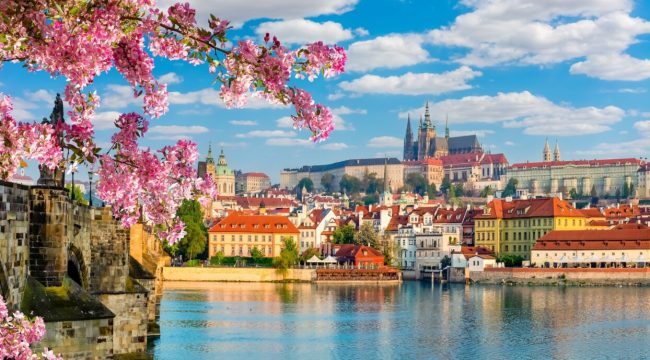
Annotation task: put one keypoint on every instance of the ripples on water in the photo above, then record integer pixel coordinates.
(409, 321)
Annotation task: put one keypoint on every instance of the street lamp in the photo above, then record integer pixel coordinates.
(90, 184)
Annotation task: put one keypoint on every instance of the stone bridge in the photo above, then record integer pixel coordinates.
(72, 265)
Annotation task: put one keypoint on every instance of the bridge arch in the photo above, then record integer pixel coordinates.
(77, 270)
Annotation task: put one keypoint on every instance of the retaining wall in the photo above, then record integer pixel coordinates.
(235, 274)
(562, 276)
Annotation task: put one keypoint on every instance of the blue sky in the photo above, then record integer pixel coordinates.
(513, 71)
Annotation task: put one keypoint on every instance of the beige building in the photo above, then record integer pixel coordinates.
(252, 182)
(289, 178)
(626, 245)
(237, 235)
(643, 181)
(431, 169)
(554, 176)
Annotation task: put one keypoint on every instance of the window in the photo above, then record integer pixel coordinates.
(241, 237)
(249, 238)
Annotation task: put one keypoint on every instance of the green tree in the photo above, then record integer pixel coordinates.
(256, 255)
(370, 199)
(511, 188)
(288, 256)
(327, 181)
(511, 260)
(487, 191)
(432, 191)
(573, 194)
(631, 192)
(195, 241)
(370, 184)
(343, 235)
(459, 190)
(368, 236)
(350, 184)
(626, 190)
(217, 259)
(76, 194)
(593, 193)
(416, 183)
(306, 183)
(451, 192)
(446, 184)
(307, 254)
(617, 194)
(389, 249)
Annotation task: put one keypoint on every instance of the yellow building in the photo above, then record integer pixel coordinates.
(511, 227)
(237, 235)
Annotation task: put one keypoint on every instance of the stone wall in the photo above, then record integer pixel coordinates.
(14, 241)
(110, 256)
(130, 323)
(540, 276)
(235, 274)
(457, 275)
(81, 339)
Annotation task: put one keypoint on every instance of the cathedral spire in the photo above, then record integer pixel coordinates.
(556, 152)
(547, 152)
(427, 116)
(408, 140)
(447, 126)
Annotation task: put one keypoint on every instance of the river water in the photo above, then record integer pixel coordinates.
(409, 321)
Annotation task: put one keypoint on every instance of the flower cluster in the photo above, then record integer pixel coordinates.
(17, 332)
(80, 40)
(146, 186)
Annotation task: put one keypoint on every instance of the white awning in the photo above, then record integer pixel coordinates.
(330, 260)
(314, 260)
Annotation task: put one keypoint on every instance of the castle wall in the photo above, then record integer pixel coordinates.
(110, 256)
(81, 339)
(130, 323)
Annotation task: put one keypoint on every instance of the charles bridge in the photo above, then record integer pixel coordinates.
(94, 282)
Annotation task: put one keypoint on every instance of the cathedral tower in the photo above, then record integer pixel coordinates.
(546, 156)
(556, 152)
(408, 141)
(426, 133)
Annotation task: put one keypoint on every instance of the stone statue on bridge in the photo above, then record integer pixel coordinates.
(47, 176)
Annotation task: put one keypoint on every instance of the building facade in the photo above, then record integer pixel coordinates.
(237, 235)
(393, 168)
(586, 177)
(252, 182)
(511, 227)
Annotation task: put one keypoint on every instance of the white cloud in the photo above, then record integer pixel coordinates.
(613, 67)
(240, 11)
(266, 134)
(335, 96)
(210, 96)
(178, 129)
(385, 141)
(632, 91)
(41, 95)
(240, 144)
(389, 154)
(390, 51)
(170, 78)
(105, 120)
(334, 146)
(509, 143)
(301, 31)
(339, 123)
(289, 142)
(21, 111)
(243, 122)
(119, 96)
(344, 110)
(172, 137)
(549, 32)
(479, 133)
(637, 147)
(413, 83)
(535, 114)
(361, 32)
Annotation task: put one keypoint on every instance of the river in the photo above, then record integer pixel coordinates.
(409, 321)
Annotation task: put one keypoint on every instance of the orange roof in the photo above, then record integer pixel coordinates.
(543, 207)
(469, 251)
(622, 237)
(255, 174)
(260, 224)
(592, 212)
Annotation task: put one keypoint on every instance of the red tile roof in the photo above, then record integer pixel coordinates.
(256, 174)
(469, 251)
(255, 224)
(542, 207)
(622, 237)
(602, 162)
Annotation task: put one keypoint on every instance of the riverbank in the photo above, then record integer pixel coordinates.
(223, 274)
(568, 277)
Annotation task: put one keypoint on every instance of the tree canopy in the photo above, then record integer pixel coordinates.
(350, 184)
(328, 182)
(511, 188)
(416, 183)
(344, 235)
(367, 236)
(306, 183)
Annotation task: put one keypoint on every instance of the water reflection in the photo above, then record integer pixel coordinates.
(412, 320)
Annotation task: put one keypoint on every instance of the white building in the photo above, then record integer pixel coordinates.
(406, 249)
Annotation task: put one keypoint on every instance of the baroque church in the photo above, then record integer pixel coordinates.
(430, 145)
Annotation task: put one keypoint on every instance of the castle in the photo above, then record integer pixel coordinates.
(429, 145)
